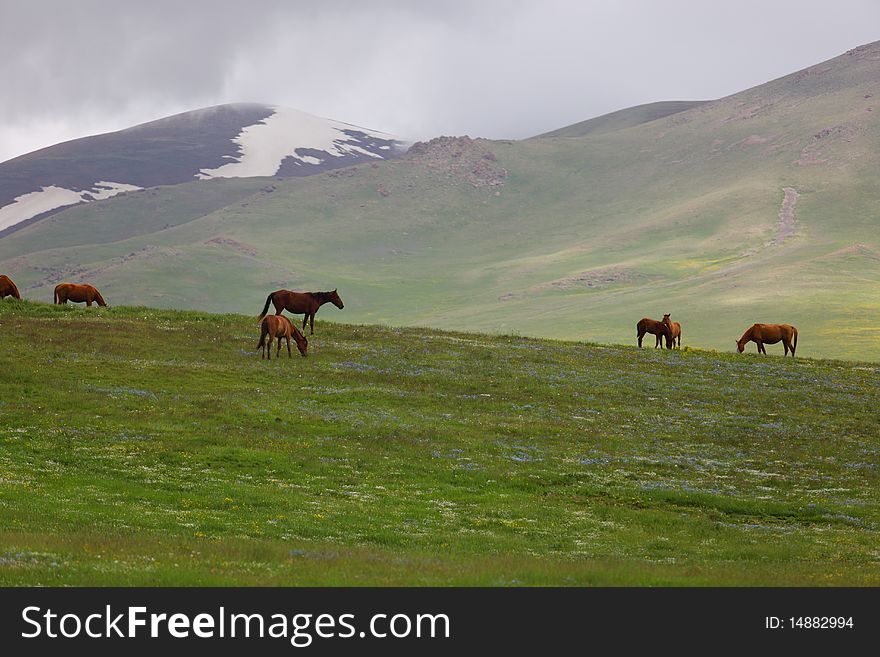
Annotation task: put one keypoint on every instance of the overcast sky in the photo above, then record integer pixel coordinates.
(416, 69)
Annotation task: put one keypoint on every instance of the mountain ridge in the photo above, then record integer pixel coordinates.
(175, 149)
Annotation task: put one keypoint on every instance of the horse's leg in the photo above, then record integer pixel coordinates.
(761, 349)
(88, 303)
(278, 351)
(287, 337)
(312, 324)
(640, 336)
(305, 319)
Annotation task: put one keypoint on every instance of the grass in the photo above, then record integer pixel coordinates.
(142, 446)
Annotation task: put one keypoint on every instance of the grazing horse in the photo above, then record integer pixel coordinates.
(7, 288)
(659, 329)
(301, 302)
(674, 332)
(770, 334)
(78, 293)
(278, 326)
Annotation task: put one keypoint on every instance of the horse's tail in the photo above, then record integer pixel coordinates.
(264, 330)
(55, 296)
(794, 342)
(266, 307)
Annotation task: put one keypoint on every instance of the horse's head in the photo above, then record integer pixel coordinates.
(335, 300)
(666, 319)
(740, 346)
(301, 343)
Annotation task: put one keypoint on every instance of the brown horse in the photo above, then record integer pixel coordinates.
(674, 332)
(301, 302)
(659, 329)
(78, 293)
(7, 288)
(278, 326)
(770, 334)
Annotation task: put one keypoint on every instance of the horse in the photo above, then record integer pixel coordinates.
(770, 334)
(301, 302)
(659, 329)
(279, 326)
(77, 293)
(7, 288)
(674, 332)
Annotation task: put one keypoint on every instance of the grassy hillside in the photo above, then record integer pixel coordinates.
(143, 446)
(625, 118)
(760, 207)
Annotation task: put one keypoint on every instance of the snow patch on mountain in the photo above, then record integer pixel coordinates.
(264, 145)
(30, 205)
(103, 189)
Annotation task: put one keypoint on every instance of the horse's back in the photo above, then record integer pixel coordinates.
(773, 332)
(277, 325)
(79, 292)
(293, 301)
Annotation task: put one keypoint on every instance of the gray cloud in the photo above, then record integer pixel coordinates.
(415, 69)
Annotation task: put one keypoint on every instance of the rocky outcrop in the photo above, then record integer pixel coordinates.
(460, 158)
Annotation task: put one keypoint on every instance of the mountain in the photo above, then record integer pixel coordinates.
(759, 207)
(239, 140)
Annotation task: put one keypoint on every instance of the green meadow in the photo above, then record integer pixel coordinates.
(154, 447)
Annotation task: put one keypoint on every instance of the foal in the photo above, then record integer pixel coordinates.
(674, 332)
(278, 326)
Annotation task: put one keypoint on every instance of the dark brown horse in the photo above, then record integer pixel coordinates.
(659, 329)
(279, 326)
(7, 288)
(78, 293)
(674, 332)
(301, 302)
(769, 334)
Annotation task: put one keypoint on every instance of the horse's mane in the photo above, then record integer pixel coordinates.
(747, 335)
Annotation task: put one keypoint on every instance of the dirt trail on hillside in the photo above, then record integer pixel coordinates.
(786, 225)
